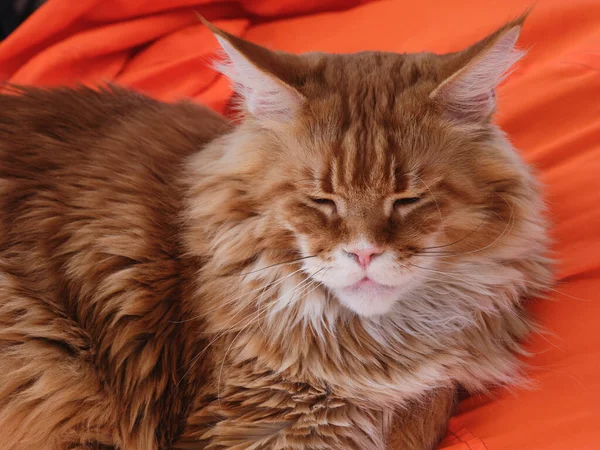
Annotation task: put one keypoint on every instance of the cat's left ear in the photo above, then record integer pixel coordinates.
(470, 92)
(258, 77)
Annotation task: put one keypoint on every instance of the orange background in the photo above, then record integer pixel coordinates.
(550, 107)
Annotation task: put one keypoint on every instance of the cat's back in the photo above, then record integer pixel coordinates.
(83, 169)
(54, 138)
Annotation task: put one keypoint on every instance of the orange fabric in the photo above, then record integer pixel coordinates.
(550, 107)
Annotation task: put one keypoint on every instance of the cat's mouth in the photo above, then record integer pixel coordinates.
(367, 284)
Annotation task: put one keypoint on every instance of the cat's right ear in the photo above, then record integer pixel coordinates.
(256, 74)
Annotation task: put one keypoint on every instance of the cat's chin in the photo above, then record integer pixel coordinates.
(369, 300)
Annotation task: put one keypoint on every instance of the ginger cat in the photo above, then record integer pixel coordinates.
(339, 263)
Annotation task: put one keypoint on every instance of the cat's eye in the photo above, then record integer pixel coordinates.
(322, 201)
(327, 202)
(406, 201)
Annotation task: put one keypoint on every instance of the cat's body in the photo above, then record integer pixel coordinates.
(164, 283)
(91, 276)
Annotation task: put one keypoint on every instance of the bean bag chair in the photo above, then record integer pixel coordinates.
(550, 107)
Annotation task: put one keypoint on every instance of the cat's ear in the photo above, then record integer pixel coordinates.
(256, 74)
(470, 92)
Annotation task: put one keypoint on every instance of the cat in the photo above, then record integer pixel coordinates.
(335, 266)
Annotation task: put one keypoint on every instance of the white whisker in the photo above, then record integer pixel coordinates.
(505, 232)
(258, 315)
(233, 300)
(222, 332)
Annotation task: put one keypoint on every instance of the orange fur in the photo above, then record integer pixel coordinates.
(170, 281)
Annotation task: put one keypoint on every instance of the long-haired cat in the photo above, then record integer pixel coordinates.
(338, 264)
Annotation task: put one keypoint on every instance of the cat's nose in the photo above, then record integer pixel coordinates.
(365, 255)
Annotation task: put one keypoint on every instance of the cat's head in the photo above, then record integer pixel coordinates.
(370, 169)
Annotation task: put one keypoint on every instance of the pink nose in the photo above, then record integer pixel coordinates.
(364, 256)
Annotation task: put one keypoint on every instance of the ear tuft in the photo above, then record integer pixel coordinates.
(470, 93)
(265, 96)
